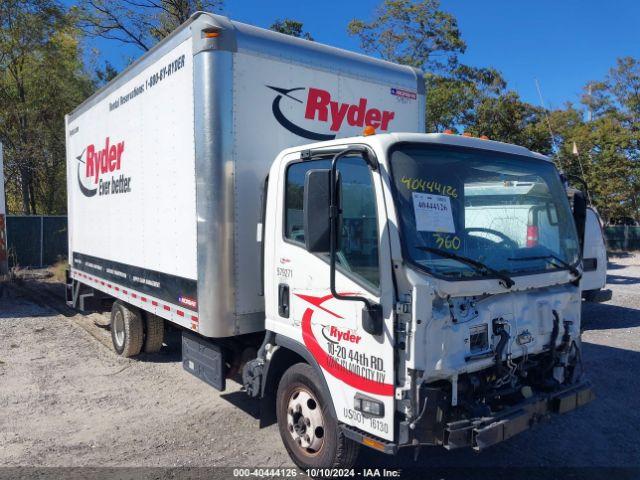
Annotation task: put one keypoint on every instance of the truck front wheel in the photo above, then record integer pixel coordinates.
(126, 329)
(308, 428)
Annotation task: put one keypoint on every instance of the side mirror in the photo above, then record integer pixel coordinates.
(580, 215)
(316, 203)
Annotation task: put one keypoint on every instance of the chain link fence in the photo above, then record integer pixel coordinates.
(622, 238)
(36, 240)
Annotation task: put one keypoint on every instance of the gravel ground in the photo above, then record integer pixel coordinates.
(67, 400)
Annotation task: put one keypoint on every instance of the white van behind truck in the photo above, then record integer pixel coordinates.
(222, 185)
(594, 261)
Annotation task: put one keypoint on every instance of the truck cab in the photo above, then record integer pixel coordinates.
(420, 289)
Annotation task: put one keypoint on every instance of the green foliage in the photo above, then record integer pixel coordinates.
(453, 98)
(106, 74)
(290, 27)
(173, 13)
(463, 98)
(140, 23)
(606, 159)
(415, 33)
(41, 79)
(508, 119)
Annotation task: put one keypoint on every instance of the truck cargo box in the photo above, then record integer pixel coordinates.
(166, 164)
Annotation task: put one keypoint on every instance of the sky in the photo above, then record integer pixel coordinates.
(562, 43)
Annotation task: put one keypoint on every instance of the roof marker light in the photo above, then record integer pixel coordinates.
(448, 131)
(467, 134)
(368, 130)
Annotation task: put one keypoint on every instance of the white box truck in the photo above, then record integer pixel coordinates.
(340, 279)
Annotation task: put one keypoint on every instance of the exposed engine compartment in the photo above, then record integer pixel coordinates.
(529, 385)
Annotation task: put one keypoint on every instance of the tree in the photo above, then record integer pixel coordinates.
(605, 163)
(452, 99)
(419, 34)
(415, 33)
(106, 74)
(508, 119)
(290, 27)
(609, 144)
(140, 23)
(623, 83)
(41, 79)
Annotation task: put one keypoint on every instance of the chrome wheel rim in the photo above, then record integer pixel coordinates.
(305, 421)
(118, 328)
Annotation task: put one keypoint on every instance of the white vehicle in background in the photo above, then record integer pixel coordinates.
(594, 261)
(594, 257)
(371, 289)
(532, 223)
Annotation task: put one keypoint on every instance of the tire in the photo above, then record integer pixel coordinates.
(154, 334)
(301, 404)
(126, 329)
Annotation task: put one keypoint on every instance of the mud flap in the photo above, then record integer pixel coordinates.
(203, 359)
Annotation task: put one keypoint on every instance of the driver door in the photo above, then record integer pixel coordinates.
(353, 362)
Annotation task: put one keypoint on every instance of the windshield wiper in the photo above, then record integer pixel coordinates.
(479, 266)
(560, 262)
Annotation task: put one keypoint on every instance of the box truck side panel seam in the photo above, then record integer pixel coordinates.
(215, 171)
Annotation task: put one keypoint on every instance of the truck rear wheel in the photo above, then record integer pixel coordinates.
(308, 428)
(126, 329)
(154, 334)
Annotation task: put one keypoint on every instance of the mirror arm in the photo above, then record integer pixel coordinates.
(372, 313)
(567, 176)
(366, 153)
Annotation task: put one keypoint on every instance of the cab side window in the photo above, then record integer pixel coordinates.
(358, 254)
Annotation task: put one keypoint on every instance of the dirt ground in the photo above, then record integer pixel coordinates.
(67, 400)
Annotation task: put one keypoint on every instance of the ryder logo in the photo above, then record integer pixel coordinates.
(336, 335)
(319, 106)
(100, 167)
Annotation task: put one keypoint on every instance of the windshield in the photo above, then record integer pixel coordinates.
(508, 212)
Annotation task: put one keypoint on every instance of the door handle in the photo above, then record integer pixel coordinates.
(283, 300)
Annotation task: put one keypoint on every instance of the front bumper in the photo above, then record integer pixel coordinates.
(483, 432)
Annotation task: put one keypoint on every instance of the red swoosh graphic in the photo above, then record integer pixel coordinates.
(330, 365)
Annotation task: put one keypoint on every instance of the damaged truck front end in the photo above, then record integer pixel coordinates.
(512, 372)
(488, 327)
